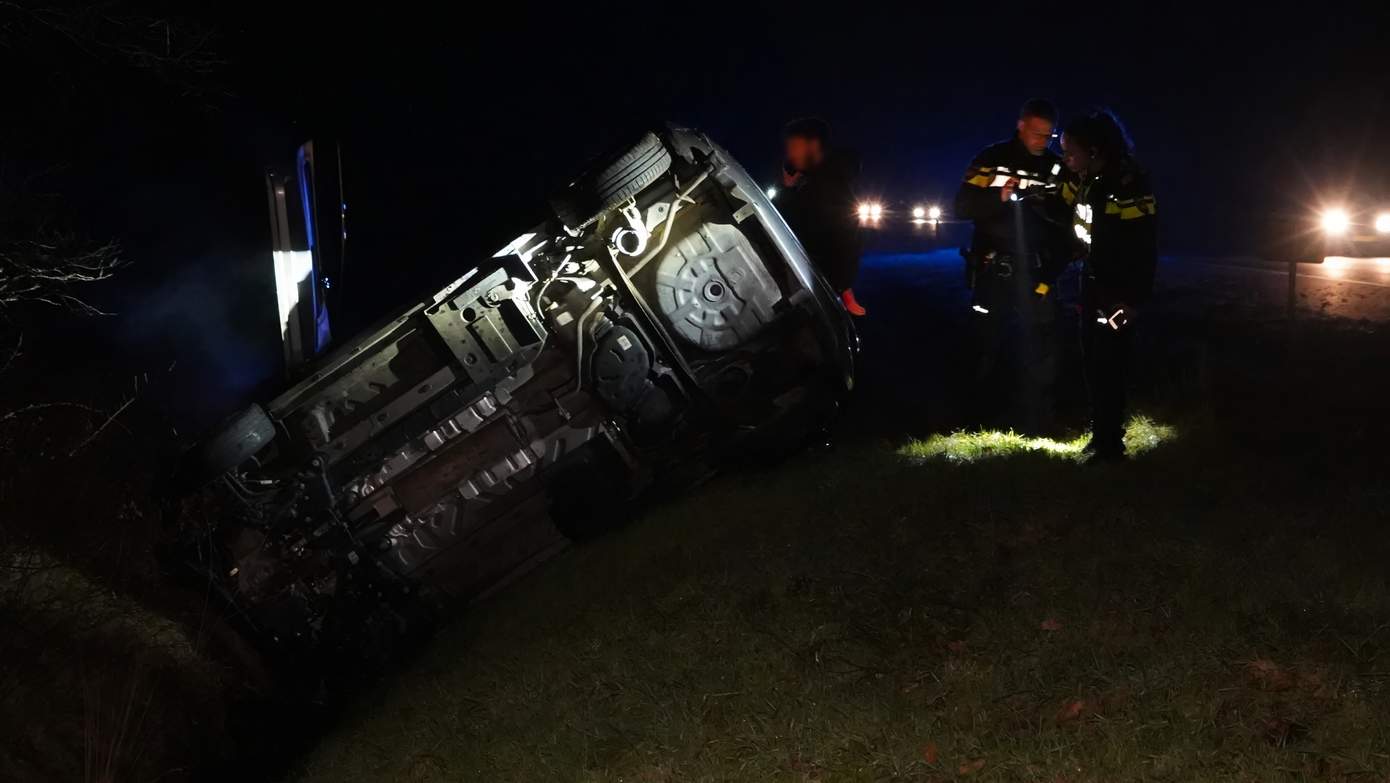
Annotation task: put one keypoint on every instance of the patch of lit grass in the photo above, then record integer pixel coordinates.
(1144, 434)
(985, 444)
(1141, 434)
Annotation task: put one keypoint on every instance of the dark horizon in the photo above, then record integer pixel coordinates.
(453, 132)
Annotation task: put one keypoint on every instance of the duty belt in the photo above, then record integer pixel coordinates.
(1003, 265)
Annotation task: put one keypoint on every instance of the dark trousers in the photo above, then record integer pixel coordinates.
(1106, 353)
(1016, 347)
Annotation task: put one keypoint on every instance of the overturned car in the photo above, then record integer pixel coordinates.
(664, 324)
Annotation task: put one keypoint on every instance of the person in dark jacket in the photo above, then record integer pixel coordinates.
(1115, 223)
(1012, 192)
(816, 198)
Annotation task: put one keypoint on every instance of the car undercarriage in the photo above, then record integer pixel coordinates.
(664, 325)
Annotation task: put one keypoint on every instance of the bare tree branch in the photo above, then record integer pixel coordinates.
(97, 432)
(14, 353)
(36, 407)
(44, 272)
(176, 51)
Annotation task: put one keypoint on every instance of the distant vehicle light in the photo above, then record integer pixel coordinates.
(772, 192)
(1335, 222)
(919, 212)
(863, 211)
(934, 213)
(875, 211)
(1383, 222)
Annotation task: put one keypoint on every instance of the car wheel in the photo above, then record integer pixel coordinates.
(239, 439)
(611, 182)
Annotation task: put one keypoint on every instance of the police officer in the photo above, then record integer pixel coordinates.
(1012, 193)
(817, 200)
(1116, 226)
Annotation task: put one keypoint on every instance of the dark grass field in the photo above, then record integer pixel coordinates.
(915, 604)
(904, 607)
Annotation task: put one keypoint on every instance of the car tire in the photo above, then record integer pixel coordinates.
(240, 438)
(611, 182)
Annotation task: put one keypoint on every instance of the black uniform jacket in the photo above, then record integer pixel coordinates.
(1115, 220)
(1044, 221)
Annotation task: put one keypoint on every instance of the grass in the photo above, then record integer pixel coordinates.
(1205, 613)
(973, 606)
(906, 609)
(1141, 435)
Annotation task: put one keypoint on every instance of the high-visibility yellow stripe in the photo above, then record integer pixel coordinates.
(1131, 209)
(1126, 202)
(979, 176)
(1068, 193)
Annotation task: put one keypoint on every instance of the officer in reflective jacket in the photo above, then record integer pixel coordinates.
(1115, 224)
(1012, 192)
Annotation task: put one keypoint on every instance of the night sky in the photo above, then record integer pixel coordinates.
(454, 125)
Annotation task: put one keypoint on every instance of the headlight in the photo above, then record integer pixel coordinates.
(863, 211)
(772, 192)
(934, 213)
(1383, 222)
(1335, 222)
(875, 211)
(918, 213)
